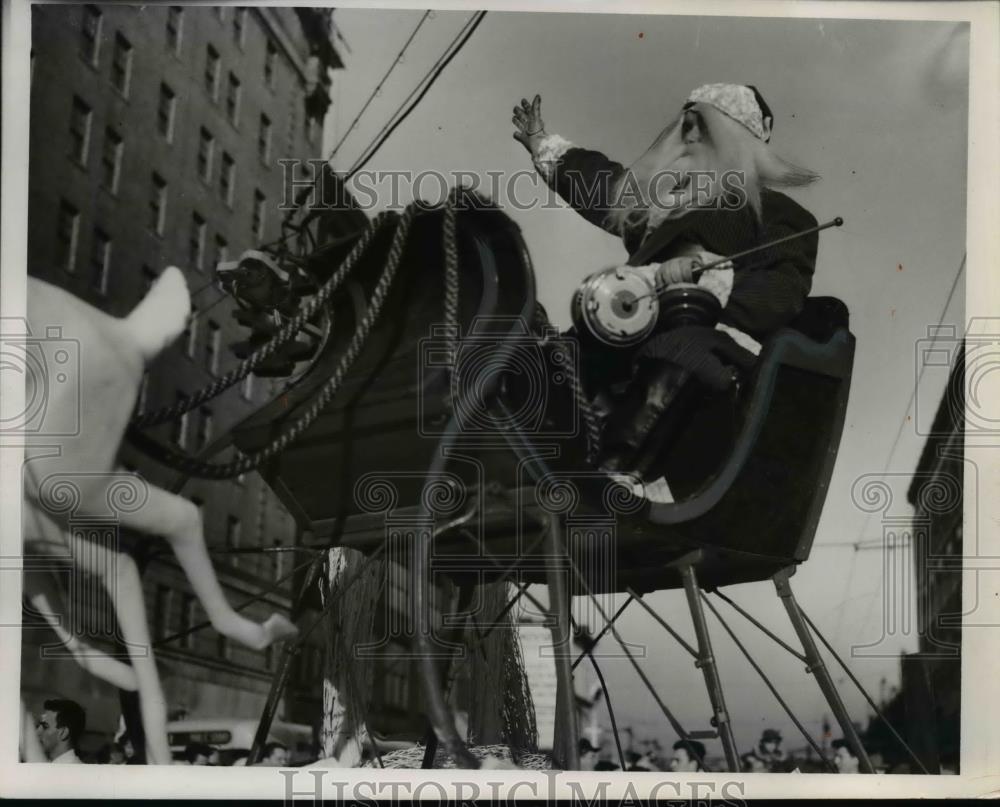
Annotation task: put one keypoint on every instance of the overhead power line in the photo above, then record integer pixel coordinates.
(895, 445)
(420, 91)
(378, 86)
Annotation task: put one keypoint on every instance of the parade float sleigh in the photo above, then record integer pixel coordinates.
(441, 423)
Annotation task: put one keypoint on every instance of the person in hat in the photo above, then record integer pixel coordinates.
(774, 757)
(689, 756)
(706, 188)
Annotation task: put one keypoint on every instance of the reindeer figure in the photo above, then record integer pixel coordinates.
(113, 355)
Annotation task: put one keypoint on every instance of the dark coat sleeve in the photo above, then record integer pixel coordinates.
(586, 180)
(770, 288)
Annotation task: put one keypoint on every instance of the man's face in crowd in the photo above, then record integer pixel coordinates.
(681, 762)
(201, 759)
(770, 746)
(49, 734)
(845, 761)
(278, 758)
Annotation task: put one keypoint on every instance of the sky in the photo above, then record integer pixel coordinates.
(879, 110)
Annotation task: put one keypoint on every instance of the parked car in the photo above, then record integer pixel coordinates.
(234, 737)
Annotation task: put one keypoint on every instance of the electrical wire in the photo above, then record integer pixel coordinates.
(378, 87)
(892, 452)
(420, 91)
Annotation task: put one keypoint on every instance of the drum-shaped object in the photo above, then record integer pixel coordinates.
(618, 307)
(688, 304)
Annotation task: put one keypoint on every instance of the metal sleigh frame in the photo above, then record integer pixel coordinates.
(724, 534)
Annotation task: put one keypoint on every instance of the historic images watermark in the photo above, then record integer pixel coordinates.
(312, 182)
(545, 787)
(44, 362)
(930, 519)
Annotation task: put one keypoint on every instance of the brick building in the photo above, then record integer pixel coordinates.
(156, 133)
(927, 707)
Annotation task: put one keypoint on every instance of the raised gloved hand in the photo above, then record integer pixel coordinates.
(528, 122)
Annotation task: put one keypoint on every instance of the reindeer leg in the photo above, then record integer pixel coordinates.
(178, 521)
(43, 594)
(120, 576)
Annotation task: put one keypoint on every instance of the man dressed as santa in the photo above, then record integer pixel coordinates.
(705, 189)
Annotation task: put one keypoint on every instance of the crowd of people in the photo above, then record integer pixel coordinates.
(62, 722)
(688, 756)
(60, 726)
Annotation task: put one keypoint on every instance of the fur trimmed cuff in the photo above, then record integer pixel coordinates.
(742, 339)
(719, 282)
(547, 153)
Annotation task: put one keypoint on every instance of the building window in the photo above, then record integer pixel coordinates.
(100, 260)
(212, 72)
(191, 333)
(246, 388)
(67, 233)
(187, 620)
(180, 432)
(161, 611)
(212, 345)
(221, 250)
(232, 532)
(111, 160)
(142, 397)
(257, 222)
(264, 139)
(270, 59)
(121, 65)
(158, 204)
(90, 35)
(279, 561)
(227, 178)
(196, 247)
(206, 145)
(222, 647)
(165, 113)
(204, 427)
(233, 99)
(175, 21)
(79, 130)
(239, 25)
(148, 279)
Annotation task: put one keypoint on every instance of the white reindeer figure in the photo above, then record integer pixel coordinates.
(113, 355)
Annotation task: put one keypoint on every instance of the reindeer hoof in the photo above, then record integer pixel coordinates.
(277, 627)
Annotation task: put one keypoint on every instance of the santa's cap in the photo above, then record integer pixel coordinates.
(743, 103)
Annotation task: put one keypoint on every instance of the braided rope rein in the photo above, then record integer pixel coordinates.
(265, 351)
(249, 462)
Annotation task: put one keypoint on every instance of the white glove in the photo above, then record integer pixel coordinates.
(677, 270)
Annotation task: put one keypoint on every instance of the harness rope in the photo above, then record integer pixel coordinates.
(249, 462)
(265, 351)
